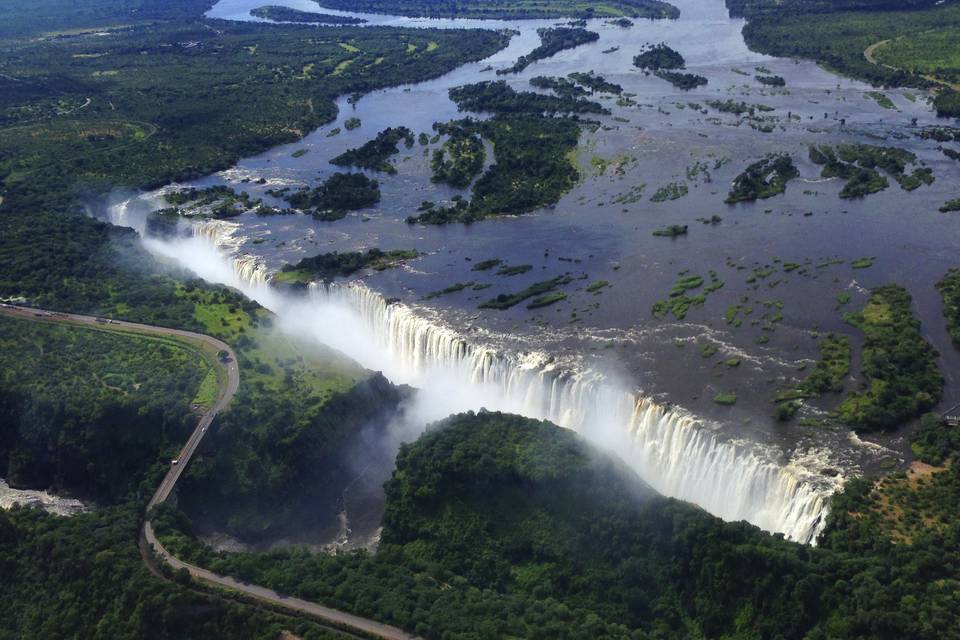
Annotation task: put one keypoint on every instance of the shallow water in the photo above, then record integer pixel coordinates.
(589, 236)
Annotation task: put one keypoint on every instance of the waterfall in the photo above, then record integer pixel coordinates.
(226, 237)
(674, 452)
(678, 454)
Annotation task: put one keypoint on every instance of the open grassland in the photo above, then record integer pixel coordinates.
(932, 52)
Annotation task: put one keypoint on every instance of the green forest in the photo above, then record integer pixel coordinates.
(129, 395)
(902, 379)
(338, 194)
(553, 41)
(836, 33)
(506, 9)
(533, 136)
(373, 154)
(83, 577)
(167, 102)
(461, 157)
(501, 526)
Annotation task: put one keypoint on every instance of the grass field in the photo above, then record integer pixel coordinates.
(270, 360)
(936, 52)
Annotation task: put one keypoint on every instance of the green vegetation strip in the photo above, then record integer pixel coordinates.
(328, 266)
(899, 365)
(507, 300)
(949, 288)
(515, 9)
(553, 41)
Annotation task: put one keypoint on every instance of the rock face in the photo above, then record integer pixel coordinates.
(31, 498)
(308, 484)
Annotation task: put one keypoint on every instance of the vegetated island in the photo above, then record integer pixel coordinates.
(899, 365)
(659, 57)
(665, 63)
(561, 86)
(329, 266)
(679, 303)
(595, 82)
(286, 14)
(460, 159)
(858, 164)
(498, 10)
(340, 193)
(532, 135)
(543, 289)
(671, 231)
(217, 201)
(771, 81)
(374, 154)
(763, 179)
(553, 41)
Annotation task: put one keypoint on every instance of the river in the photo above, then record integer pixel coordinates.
(600, 363)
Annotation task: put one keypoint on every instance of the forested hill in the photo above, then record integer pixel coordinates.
(526, 508)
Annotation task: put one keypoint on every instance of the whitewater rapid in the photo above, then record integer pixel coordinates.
(677, 453)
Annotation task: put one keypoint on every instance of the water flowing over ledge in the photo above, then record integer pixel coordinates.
(678, 454)
(674, 452)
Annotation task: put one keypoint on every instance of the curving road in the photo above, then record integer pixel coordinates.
(870, 53)
(332, 617)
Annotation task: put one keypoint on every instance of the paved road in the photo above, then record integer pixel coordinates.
(338, 619)
(332, 617)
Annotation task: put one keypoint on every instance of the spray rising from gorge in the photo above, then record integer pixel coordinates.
(674, 452)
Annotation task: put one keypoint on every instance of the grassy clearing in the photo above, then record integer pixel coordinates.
(269, 359)
(207, 392)
(936, 52)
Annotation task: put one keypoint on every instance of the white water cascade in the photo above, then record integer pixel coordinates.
(676, 453)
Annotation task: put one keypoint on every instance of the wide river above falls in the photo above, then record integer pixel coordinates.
(602, 229)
